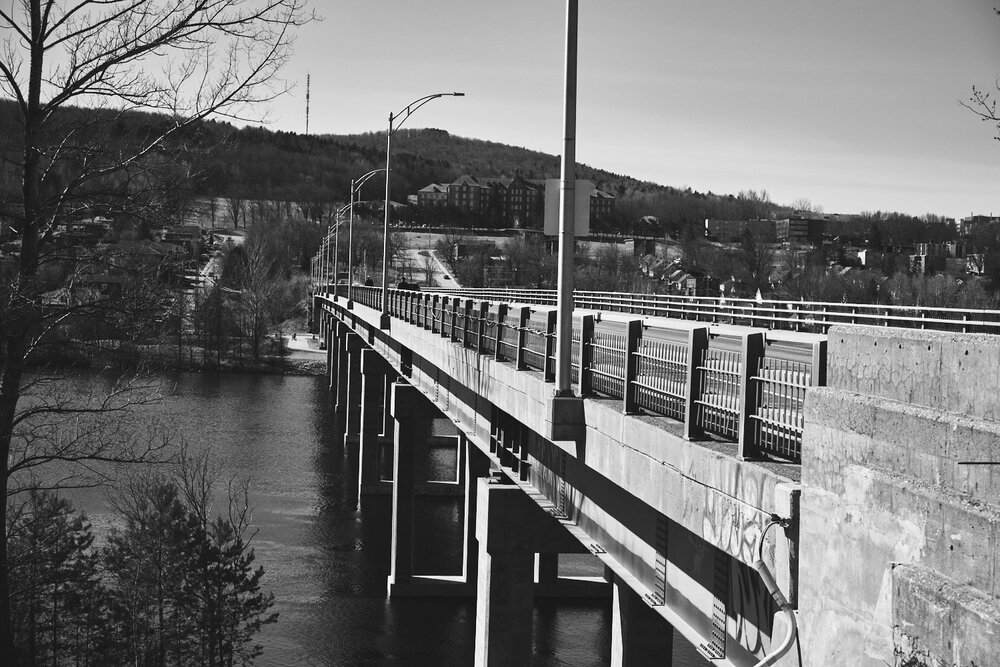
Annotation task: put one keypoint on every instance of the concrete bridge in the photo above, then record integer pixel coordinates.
(767, 493)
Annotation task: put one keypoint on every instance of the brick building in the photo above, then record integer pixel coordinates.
(731, 231)
(517, 201)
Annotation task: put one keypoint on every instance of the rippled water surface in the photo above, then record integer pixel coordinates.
(325, 560)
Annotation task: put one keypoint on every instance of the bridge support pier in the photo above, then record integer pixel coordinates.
(374, 371)
(511, 528)
(348, 344)
(331, 355)
(473, 465)
(414, 415)
(639, 636)
(409, 408)
(355, 376)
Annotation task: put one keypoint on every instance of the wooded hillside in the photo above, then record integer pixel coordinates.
(256, 163)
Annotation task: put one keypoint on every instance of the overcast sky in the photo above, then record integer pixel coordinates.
(852, 104)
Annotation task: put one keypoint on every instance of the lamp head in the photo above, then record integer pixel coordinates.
(458, 94)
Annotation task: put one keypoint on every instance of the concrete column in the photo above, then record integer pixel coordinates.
(389, 425)
(413, 415)
(547, 568)
(510, 528)
(331, 357)
(344, 341)
(639, 636)
(354, 381)
(474, 465)
(504, 608)
(373, 372)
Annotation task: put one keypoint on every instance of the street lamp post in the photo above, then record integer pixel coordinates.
(326, 262)
(355, 188)
(399, 118)
(564, 297)
(322, 263)
(336, 256)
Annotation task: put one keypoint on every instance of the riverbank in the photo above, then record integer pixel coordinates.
(298, 360)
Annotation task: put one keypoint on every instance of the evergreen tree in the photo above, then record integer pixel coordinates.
(57, 598)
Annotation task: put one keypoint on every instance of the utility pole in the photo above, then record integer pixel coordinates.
(567, 241)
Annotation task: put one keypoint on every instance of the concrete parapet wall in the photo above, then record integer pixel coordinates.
(953, 372)
(932, 446)
(900, 509)
(937, 618)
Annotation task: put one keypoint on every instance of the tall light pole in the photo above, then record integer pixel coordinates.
(336, 256)
(326, 260)
(322, 261)
(355, 188)
(400, 118)
(564, 296)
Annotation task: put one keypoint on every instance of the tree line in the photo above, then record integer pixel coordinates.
(169, 585)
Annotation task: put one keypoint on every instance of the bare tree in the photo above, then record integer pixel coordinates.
(754, 205)
(256, 284)
(79, 75)
(212, 204)
(754, 261)
(236, 205)
(803, 204)
(983, 102)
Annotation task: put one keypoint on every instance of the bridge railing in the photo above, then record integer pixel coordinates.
(742, 384)
(813, 317)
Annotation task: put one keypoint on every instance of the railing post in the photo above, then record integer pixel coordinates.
(482, 311)
(819, 364)
(455, 304)
(435, 307)
(442, 309)
(549, 364)
(522, 324)
(586, 352)
(633, 334)
(465, 324)
(752, 353)
(697, 344)
(501, 322)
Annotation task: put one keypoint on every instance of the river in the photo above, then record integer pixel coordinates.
(325, 560)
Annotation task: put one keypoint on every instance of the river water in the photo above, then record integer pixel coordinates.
(325, 560)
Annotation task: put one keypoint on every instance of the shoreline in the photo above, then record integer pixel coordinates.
(190, 360)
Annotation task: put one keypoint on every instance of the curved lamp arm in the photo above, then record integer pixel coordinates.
(401, 117)
(410, 108)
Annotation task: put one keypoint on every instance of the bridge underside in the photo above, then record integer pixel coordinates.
(676, 523)
(890, 504)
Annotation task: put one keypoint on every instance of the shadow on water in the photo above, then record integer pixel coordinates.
(326, 560)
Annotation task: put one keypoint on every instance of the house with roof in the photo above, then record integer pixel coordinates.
(517, 201)
(435, 194)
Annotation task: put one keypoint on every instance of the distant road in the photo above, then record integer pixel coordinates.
(440, 274)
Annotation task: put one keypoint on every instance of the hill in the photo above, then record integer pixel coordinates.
(293, 167)
(254, 163)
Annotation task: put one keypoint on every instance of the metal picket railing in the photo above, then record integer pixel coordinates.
(742, 384)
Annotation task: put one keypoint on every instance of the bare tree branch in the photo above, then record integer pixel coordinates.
(82, 73)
